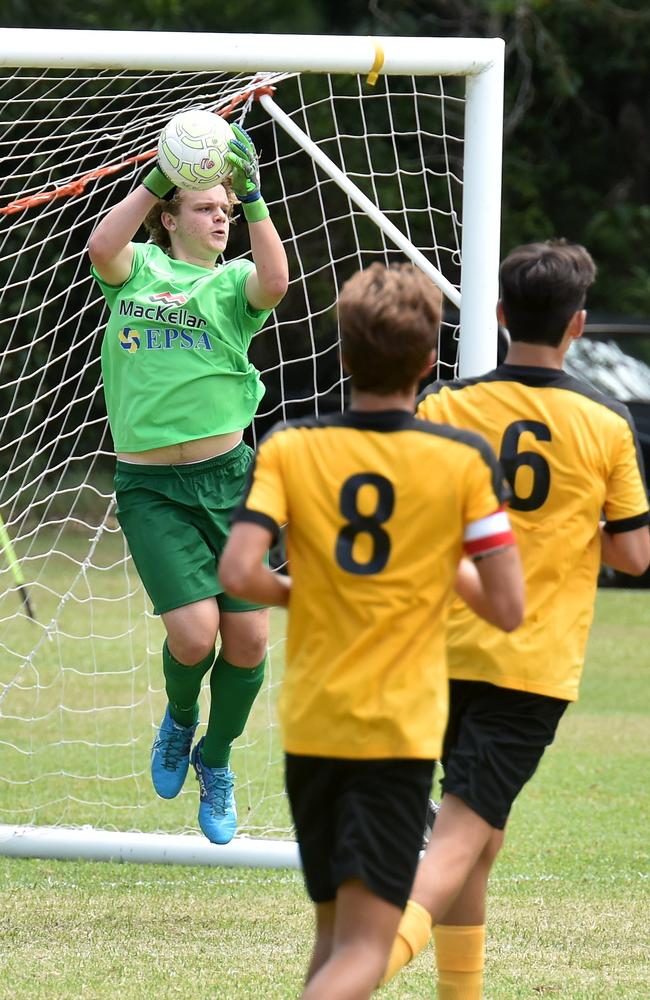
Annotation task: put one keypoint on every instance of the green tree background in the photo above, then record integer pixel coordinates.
(576, 159)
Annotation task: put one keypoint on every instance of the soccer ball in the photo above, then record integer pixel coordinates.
(192, 149)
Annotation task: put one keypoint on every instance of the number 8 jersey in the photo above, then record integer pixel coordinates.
(380, 507)
(571, 457)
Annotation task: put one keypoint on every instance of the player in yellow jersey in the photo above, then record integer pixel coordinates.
(380, 508)
(572, 459)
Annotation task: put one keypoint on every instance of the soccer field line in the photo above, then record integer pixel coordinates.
(584, 877)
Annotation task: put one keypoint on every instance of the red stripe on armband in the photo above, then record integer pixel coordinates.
(490, 542)
(491, 532)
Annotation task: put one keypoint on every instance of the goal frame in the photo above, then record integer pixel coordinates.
(479, 60)
(481, 63)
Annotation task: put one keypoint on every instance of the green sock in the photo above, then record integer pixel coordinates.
(232, 693)
(183, 684)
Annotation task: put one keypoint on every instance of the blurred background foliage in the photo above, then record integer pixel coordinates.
(576, 164)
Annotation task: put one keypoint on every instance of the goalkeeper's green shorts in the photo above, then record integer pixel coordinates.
(176, 519)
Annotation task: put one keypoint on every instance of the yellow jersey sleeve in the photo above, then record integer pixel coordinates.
(429, 406)
(626, 498)
(487, 527)
(484, 492)
(265, 500)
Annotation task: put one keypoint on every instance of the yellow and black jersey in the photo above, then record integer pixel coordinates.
(379, 508)
(571, 457)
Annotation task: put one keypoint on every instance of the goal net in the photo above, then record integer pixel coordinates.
(353, 170)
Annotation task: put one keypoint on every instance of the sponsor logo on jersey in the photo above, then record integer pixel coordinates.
(164, 340)
(155, 339)
(129, 340)
(162, 312)
(169, 298)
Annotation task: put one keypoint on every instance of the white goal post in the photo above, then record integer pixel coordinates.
(371, 148)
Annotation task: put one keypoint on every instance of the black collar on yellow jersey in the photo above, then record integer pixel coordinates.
(534, 376)
(374, 420)
(364, 420)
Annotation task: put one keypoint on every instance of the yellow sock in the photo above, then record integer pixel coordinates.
(412, 936)
(460, 954)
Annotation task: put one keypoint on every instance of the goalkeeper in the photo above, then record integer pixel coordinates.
(570, 453)
(180, 391)
(364, 696)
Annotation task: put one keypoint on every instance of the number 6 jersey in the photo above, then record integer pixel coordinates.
(572, 459)
(380, 507)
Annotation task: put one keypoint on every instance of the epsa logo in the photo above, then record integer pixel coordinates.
(129, 339)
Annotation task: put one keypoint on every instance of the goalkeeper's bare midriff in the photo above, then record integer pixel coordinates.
(186, 451)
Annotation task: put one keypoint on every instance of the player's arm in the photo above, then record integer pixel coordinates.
(493, 587)
(626, 551)
(242, 571)
(109, 247)
(268, 283)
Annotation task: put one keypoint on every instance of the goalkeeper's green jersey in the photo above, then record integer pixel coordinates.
(572, 458)
(174, 355)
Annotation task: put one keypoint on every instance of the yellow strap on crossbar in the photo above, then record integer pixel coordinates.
(376, 66)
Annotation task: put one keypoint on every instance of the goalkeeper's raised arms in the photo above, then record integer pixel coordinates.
(244, 161)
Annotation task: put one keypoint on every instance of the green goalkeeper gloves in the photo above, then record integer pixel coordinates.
(244, 161)
(157, 183)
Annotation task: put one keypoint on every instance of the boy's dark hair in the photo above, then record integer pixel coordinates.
(542, 286)
(153, 221)
(389, 319)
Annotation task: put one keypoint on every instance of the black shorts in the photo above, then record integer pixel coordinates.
(359, 819)
(494, 741)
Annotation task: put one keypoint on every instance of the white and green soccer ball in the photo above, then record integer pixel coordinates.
(192, 149)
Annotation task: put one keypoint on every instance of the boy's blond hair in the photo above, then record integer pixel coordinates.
(389, 319)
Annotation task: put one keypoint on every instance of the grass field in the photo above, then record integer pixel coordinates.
(570, 897)
(81, 694)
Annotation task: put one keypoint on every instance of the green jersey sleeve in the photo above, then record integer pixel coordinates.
(246, 320)
(141, 252)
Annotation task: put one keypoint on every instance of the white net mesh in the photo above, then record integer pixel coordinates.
(81, 685)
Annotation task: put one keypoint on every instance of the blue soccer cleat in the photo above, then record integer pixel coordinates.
(170, 756)
(217, 811)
